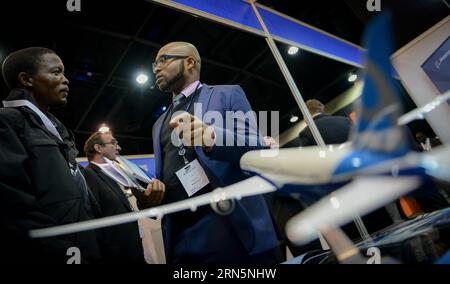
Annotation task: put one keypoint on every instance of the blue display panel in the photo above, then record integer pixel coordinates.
(311, 38)
(282, 28)
(147, 164)
(236, 11)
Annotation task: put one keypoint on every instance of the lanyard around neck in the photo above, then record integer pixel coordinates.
(191, 97)
(181, 147)
(47, 123)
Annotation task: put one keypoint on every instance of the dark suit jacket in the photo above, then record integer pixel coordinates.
(120, 243)
(334, 130)
(250, 221)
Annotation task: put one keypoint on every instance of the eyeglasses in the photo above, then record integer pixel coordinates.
(112, 142)
(162, 60)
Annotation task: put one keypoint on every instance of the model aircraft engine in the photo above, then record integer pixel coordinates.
(223, 207)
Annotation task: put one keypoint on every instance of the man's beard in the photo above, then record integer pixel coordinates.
(175, 79)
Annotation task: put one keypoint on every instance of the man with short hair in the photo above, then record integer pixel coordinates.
(334, 129)
(111, 190)
(192, 158)
(40, 182)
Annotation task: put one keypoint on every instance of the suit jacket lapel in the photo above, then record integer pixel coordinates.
(157, 150)
(204, 99)
(115, 188)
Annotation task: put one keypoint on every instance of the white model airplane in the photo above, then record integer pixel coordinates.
(377, 168)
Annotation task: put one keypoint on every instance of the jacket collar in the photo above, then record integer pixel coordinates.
(20, 94)
(319, 115)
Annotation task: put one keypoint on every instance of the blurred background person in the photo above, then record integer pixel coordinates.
(334, 129)
(112, 195)
(426, 143)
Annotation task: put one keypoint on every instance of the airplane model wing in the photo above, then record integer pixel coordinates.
(436, 162)
(359, 197)
(421, 112)
(252, 186)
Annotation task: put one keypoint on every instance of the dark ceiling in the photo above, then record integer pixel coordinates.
(105, 45)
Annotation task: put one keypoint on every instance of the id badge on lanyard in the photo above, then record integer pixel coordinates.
(192, 176)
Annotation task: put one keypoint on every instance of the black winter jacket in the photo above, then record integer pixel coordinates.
(37, 189)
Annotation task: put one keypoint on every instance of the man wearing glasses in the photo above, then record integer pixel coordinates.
(112, 193)
(191, 158)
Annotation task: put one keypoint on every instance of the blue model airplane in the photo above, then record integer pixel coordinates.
(355, 178)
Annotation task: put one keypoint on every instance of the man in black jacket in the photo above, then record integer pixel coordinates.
(40, 182)
(110, 187)
(334, 129)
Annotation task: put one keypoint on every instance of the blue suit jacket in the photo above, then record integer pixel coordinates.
(250, 220)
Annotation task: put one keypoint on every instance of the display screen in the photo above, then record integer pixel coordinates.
(437, 67)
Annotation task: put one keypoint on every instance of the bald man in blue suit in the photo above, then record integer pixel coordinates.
(247, 234)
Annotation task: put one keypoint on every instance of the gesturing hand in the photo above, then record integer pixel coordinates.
(193, 131)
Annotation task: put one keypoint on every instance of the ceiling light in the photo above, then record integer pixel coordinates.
(294, 119)
(141, 78)
(292, 50)
(352, 78)
(103, 128)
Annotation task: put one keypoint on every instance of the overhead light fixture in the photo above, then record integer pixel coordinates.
(103, 128)
(141, 78)
(292, 50)
(352, 77)
(294, 119)
(164, 108)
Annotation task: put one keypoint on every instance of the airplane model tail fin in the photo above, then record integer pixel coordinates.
(377, 137)
(380, 104)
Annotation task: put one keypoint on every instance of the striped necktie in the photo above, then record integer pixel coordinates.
(177, 100)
